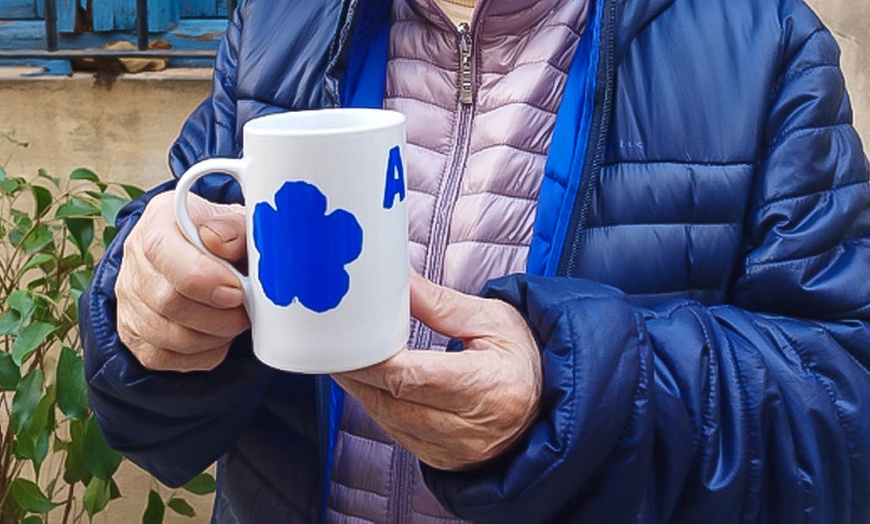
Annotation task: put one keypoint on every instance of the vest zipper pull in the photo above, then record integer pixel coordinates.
(466, 74)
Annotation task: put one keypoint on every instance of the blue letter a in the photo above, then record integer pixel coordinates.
(395, 183)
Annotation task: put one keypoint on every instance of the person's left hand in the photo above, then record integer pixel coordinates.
(456, 410)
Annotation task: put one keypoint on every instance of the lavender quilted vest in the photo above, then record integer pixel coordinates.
(480, 103)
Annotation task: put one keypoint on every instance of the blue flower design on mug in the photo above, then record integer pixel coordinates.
(304, 251)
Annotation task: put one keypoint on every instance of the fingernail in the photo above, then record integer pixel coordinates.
(224, 231)
(227, 296)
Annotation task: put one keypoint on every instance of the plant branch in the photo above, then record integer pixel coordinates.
(69, 503)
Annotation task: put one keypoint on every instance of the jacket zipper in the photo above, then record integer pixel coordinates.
(595, 150)
(445, 200)
(322, 398)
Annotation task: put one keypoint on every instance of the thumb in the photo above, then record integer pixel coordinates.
(224, 235)
(446, 310)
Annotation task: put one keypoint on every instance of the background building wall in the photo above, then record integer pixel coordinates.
(124, 131)
(848, 21)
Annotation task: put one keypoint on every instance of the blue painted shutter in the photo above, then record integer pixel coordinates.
(33, 10)
(203, 8)
(120, 15)
(19, 9)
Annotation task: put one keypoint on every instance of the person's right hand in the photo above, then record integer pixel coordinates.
(178, 309)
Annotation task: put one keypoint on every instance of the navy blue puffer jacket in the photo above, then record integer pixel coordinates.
(699, 281)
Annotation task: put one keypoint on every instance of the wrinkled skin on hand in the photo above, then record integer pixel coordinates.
(178, 309)
(456, 411)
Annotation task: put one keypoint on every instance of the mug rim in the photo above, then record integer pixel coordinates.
(281, 124)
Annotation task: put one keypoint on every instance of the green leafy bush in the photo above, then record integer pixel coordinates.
(53, 458)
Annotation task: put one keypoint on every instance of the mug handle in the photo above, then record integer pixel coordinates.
(231, 166)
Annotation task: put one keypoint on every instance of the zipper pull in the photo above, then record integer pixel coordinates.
(466, 75)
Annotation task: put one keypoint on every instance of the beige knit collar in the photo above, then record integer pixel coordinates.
(461, 3)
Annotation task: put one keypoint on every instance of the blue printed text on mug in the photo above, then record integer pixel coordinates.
(394, 186)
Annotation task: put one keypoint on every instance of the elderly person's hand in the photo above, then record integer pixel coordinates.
(456, 410)
(179, 309)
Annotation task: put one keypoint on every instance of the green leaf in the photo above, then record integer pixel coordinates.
(100, 459)
(97, 495)
(84, 173)
(32, 519)
(22, 307)
(32, 440)
(133, 191)
(27, 396)
(201, 484)
(155, 509)
(22, 220)
(76, 207)
(42, 173)
(29, 340)
(2, 173)
(42, 196)
(74, 468)
(72, 390)
(81, 232)
(22, 302)
(114, 491)
(81, 279)
(9, 185)
(110, 206)
(38, 260)
(181, 507)
(37, 239)
(10, 374)
(109, 233)
(10, 323)
(15, 238)
(29, 497)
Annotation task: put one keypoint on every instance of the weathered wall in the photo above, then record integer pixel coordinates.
(123, 132)
(848, 20)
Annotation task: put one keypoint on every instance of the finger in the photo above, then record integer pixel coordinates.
(448, 311)
(148, 327)
(224, 235)
(158, 359)
(435, 453)
(425, 421)
(188, 270)
(447, 381)
(442, 440)
(162, 298)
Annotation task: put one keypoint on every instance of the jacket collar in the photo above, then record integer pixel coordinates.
(632, 17)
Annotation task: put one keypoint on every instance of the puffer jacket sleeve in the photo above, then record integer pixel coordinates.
(753, 411)
(172, 424)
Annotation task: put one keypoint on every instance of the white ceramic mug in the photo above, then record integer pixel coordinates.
(327, 236)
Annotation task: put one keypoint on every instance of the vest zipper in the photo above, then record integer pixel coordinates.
(450, 182)
(466, 62)
(444, 203)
